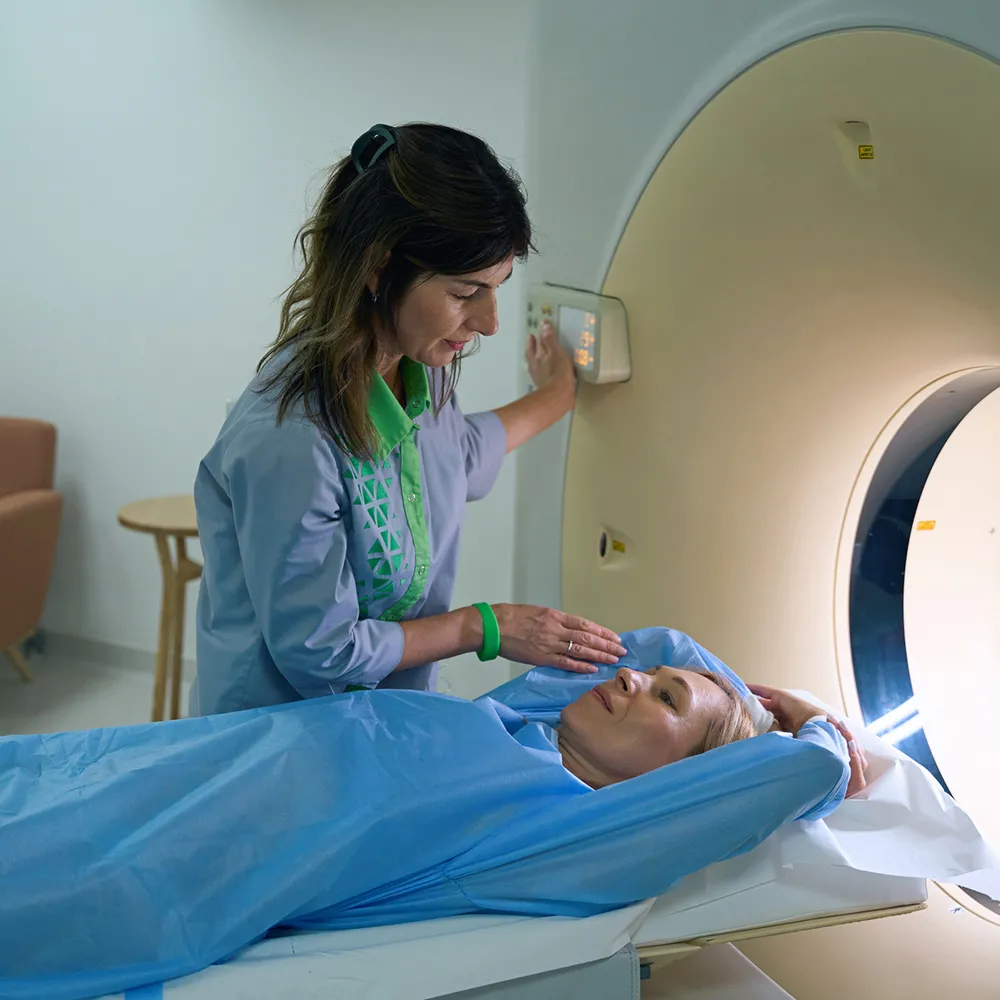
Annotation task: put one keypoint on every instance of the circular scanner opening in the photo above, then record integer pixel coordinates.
(882, 668)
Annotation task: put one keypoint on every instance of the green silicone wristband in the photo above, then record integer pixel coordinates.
(491, 633)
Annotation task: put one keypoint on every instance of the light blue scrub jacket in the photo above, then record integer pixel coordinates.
(312, 558)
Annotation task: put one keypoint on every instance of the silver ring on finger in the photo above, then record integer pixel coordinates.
(570, 649)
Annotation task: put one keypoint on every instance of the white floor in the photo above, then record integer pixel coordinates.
(67, 694)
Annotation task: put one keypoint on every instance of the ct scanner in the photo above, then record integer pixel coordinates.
(800, 469)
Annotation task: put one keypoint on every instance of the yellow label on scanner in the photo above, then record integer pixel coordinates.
(926, 525)
(618, 546)
(866, 152)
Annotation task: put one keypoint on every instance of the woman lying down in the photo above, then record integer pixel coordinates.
(137, 854)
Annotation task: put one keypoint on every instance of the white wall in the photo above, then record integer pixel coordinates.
(156, 164)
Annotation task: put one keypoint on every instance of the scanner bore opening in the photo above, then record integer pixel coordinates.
(878, 572)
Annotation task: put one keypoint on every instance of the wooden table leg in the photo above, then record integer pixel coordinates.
(187, 570)
(20, 665)
(166, 625)
(178, 643)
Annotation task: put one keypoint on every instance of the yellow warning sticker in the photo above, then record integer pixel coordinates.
(866, 152)
(926, 525)
(618, 546)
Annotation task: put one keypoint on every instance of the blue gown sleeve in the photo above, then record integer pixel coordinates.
(289, 507)
(823, 734)
(636, 839)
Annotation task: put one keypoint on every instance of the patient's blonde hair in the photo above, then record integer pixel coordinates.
(735, 724)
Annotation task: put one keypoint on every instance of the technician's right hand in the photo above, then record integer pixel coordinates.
(549, 363)
(543, 637)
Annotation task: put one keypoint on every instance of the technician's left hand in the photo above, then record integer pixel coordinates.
(544, 637)
(549, 362)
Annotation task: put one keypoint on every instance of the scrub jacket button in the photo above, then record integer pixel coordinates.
(412, 498)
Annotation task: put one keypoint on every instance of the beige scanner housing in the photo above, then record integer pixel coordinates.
(811, 270)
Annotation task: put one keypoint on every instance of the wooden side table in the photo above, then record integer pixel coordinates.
(165, 518)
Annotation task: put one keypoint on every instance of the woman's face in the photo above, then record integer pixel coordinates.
(637, 722)
(441, 315)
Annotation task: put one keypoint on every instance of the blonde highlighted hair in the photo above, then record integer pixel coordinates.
(731, 726)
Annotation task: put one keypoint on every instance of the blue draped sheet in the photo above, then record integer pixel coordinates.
(137, 854)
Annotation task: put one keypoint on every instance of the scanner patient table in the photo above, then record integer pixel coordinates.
(869, 859)
(515, 833)
(591, 958)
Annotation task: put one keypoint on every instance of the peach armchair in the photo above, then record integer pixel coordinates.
(30, 510)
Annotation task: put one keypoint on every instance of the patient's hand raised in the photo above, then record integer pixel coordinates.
(790, 712)
(859, 762)
(793, 713)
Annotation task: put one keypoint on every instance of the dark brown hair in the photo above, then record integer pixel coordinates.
(436, 201)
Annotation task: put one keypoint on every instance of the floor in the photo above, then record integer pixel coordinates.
(68, 694)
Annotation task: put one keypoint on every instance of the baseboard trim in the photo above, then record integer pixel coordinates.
(77, 647)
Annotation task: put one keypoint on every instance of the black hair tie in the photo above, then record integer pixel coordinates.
(369, 147)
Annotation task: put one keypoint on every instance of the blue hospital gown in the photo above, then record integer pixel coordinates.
(138, 854)
(312, 558)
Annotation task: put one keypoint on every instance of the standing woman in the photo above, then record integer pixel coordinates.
(330, 506)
